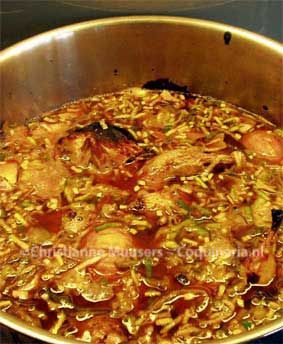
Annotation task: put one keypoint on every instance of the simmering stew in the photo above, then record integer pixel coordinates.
(142, 216)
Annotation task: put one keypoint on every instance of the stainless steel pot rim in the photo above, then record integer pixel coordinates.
(63, 32)
(40, 334)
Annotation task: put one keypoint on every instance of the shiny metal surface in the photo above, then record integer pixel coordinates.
(105, 55)
(78, 60)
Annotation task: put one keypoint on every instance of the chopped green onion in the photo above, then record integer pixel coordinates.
(183, 204)
(234, 193)
(26, 203)
(2, 156)
(247, 324)
(202, 210)
(148, 267)
(107, 225)
(3, 213)
(248, 214)
(263, 195)
(20, 219)
(167, 128)
(193, 227)
(202, 231)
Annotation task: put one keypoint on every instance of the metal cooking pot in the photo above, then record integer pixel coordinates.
(76, 61)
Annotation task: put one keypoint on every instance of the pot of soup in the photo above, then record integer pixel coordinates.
(140, 183)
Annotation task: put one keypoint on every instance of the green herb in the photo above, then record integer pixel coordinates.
(167, 128)
(263, 196)
(202, 231)
(234, 193)
(248, 214)
(2, 156)
(3, 213)
(193, 227)
(183, 204)
(26, 203)
(203, 211)
(247, 324)
(107, 225)
(148, 267)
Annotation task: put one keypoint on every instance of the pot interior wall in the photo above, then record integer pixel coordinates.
(49, 70)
